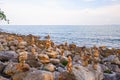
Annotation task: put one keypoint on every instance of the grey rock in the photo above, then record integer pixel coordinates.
(54, 61)
(52, 54)
(56, 75)
(67, 53)
(7, 55)
(110, 76)
(84, 73)
(49, 67)
(39, 75)
(2, 66)
(113, 67)
(60, 69)
(2, 78)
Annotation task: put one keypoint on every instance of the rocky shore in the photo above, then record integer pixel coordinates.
(26, 57)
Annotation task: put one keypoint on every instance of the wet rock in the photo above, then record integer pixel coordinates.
(39, 75)
(54, 61)
(49, 67)
(7, 55)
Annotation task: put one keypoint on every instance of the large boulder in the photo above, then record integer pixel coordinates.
(67, 76)
(87, 73)
(39, 75)
(20, 75)
(7, 55)
(113, 59)
(13, 68)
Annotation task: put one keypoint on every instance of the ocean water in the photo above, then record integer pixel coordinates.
(82, 35)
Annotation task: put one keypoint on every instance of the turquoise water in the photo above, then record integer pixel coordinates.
(108, 35)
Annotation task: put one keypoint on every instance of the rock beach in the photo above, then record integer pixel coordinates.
(26, 57)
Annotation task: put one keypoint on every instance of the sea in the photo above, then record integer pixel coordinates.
(81, 35)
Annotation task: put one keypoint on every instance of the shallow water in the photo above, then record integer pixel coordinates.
(108, 35)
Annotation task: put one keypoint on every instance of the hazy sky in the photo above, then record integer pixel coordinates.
(62, 12)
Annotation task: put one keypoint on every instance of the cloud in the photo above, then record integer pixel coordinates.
(51, 13)
(88, 0)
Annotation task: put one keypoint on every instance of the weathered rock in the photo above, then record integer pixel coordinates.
(49, 67)
(66, 53)
(67, 76)
(1, 48)
(103, 67)
(13, 43)
(83, 73)
(20, 75)
(43, 58)
(76, 58)
(2, 78)
(39, 75)
(10, 69)
(7, 55)
(113, 59)
(64, 60)
(56, 75)
(60, 69)
(113, 67)
(32, 61)
(2, 66)
(110, 76)
(12, 48)
(13, 68)
(118, 76)
(54, 61)
(52, 54)
(23, 43)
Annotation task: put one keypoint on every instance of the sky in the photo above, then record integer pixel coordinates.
(61, 12)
